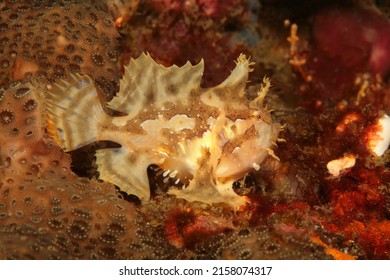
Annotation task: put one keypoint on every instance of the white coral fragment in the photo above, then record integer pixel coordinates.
(379, 138)
(337, 166)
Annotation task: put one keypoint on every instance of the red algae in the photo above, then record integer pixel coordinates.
(175, 32)
(359, 39)
(347, 42)
(357, 210)
(185, 227)
(345, 106)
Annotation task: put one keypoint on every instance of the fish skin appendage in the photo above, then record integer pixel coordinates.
(204, 138)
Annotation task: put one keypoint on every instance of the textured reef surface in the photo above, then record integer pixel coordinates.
(194, 129)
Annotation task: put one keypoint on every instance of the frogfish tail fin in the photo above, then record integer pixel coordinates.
(74, 113)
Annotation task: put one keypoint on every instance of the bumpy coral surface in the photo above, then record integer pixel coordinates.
(193, 231)
(46, 211)
(25, 150)
(73, 219)
(50, 39)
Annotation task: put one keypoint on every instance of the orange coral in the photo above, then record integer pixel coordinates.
(74, 218)
(338, 255)
(25, 151)
(49, 39)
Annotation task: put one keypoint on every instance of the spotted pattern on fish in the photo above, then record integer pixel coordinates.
(205, 138)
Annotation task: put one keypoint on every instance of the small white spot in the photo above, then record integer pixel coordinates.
(335, 167)
(379, 141)
(173, 174)
(81, 84)
(256, 166)
(165, 174)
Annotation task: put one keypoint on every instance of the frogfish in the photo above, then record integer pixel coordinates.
(204, 138)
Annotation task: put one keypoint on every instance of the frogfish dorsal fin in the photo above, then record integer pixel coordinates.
(236, 82)
(231, 92)
(147, 83)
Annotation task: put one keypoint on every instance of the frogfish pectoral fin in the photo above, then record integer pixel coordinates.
(203, 188)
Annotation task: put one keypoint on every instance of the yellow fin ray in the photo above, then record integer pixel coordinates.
(236, 82)
(232, 90)
(147, 83)
(74, 112)
(125, 169)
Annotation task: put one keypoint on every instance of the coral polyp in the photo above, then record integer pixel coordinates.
(50, 39)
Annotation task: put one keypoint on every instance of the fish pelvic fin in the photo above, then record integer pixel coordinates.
(126, 169)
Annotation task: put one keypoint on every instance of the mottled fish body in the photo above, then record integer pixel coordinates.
(206, 138)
